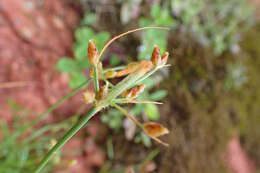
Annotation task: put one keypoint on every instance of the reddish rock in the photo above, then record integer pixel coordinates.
(33, 36)
(237, 159)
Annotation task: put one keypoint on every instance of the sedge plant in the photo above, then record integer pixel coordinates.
(107, 94)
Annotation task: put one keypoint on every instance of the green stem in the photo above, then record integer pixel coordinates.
(114, 69)
(75, 128)
(132, 118)
(146, 76)
(44, 114)
(96, 84)
(58, 103)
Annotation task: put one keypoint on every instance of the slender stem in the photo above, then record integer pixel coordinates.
(128, 32)
(149, 74)
(146, 76)
(15, 84)
(132, 118)
(96, 84)
(60, 101)
(126, 101)
(75, 128)
(114, 69)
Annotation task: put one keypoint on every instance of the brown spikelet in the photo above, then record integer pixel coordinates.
(91, 72)
(100, 69)
(156, 57)
(126, 94)
(145, 66)
(130, 68)
(92, 53)
(88, 97)
(133, 92)
(155, 130)
(164, 58)
(137, 90)
(110, 74)
(102, 93)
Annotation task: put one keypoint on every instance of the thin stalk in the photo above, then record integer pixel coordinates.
(150, 73)
(126, 101)
(128, 32)
(146, 76)
(75, 128)
(44, 114)
(132, 118)
(60, 101)
(15, 84)
(96, 84)
(114, 69)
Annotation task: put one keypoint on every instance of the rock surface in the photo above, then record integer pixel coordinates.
(33, 36)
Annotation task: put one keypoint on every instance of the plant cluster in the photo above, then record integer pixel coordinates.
(123, 92)
(78, 66)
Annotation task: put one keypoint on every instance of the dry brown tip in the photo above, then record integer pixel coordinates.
(133, 92)
(92, 53)
(110, 74)
(130, 68)
(102, 93)
(165, 58)
(138, 90)
(155, 130)
(145, 66)
(156, 57)
(88, 97)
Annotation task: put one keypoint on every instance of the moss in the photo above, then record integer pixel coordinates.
(248, 100)
(202, 114)
(198, 113)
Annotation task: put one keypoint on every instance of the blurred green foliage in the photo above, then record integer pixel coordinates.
(140, 167)
(247, 101)
(76, 66)
(159, 17)
(236, 76)
(19, 152)
(215, 23)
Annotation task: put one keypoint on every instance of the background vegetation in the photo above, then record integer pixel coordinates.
(210, 93)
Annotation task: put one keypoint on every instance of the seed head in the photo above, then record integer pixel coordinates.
(102, 93)
(92, 53)
(88, 97)
(136, 91)
(145, 66)
(155, 130)
(156, 57)
(164, 58)
(110, 74)
(133, 92)
(130, 68)
(100, 69)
